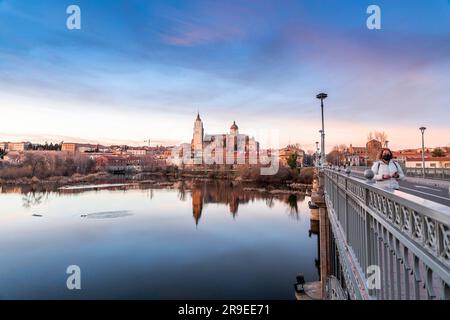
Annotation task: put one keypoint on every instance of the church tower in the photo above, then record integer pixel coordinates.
(197, 140)
(234, 130)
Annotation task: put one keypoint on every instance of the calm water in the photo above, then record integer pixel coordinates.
(199, 242)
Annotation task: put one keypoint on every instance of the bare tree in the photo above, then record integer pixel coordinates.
(335, 157)
(37, 163)
(342, 147)
(380, 136)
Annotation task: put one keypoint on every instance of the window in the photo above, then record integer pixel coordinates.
(418, 165)
(432, 165)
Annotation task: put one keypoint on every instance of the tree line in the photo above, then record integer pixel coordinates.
(47, 165)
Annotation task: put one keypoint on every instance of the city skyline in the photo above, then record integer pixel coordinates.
(136, 69)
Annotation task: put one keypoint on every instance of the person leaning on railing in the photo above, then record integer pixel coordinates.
(387, 171)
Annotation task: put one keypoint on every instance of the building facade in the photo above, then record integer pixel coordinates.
(137, 152)
(229, 148)
(17, 146)
(285, 153)
(197, 139)
(373, 149)
(430, 162)
(69, 147)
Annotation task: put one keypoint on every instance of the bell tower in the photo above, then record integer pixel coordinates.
(234, 130)
(197, 140)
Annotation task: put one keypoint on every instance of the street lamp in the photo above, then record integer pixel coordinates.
(321, 146)
(317, 152)
(321, 96)
(386, 143)
(422, 129)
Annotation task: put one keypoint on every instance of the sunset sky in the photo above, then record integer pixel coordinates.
(142, 69)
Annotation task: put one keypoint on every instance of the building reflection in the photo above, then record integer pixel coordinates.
(234, 196)
(202, 193)
(216, 193)
(197, 204)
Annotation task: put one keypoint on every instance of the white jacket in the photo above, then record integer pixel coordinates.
(380, 168)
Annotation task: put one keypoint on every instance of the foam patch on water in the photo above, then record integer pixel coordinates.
(95, 186)
(107, 214)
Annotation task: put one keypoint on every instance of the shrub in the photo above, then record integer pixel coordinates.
(306, 175)
(45, 165)
(12, 173)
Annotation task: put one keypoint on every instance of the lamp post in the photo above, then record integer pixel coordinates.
(321, 147)
(422, 129)
(386, 143)
(321, 96)
(317, 153)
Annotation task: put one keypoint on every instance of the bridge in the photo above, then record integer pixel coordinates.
(378, 243)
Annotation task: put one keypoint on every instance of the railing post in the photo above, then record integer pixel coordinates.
(345, 222)
(367, 238)
(368, 174)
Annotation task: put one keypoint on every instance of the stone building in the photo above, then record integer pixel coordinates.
(69, 147)
(373, 149)
(430, 162)
(362, 156)
(286, 152)
(234, 148)
(355, 156)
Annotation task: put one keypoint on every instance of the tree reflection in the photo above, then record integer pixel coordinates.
(182, 194)
(292, 201)
(32, 199)
(269, 202)
(150, 194)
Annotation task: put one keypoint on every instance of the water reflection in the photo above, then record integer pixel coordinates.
(233, 196)
(32, 199)
(202, 193)
(256, 240)
(314, 230)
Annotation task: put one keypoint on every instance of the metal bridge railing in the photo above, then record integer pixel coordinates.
(387, 244)
(434, 173)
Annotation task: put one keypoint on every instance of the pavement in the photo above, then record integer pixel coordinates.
(430, 189)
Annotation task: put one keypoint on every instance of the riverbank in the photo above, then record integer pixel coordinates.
(156, 180)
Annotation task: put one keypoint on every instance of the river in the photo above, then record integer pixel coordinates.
(197, 241)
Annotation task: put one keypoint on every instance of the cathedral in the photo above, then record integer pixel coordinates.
(235, 148)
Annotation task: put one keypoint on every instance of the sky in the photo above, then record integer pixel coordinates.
(139, 70)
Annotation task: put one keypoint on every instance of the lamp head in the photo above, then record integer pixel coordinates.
(322, 96)
(422, 129)
(300, 278)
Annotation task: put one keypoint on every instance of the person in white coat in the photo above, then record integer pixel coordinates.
(387, 171)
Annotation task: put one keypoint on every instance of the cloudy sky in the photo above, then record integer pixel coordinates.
(141, 70)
